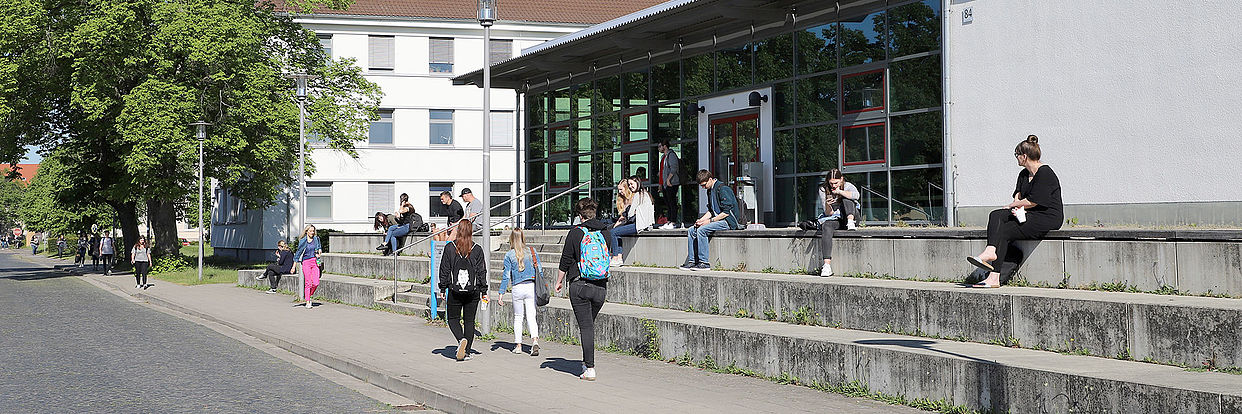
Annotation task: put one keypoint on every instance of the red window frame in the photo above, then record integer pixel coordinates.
(883, 91)
(552, 139)
(883, 130)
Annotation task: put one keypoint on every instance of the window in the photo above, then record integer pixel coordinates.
(500, 194)
(817, 98)
(441, 126)
(636, 127)
(381, 53)
(325, 41)
(558, 174)
(862, 92)
(441, 55)
(381, 130)
(502, 129)
(319, 200)
(437, 209)
(862, 39)
(914, 28)
(559, 139)
(863, 144)
(817, 48)
(500, 50)
(230, 210)
(381, 197)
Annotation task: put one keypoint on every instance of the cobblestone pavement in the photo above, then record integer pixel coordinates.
(67, 346)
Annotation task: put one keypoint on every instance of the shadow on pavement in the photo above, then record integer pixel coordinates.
(571, 367)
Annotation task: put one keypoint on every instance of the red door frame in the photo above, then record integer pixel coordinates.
(712, 137)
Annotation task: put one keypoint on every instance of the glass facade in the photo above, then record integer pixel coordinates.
(862, 93)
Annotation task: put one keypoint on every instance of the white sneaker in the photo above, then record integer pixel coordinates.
(826, 270)
(616, 262)
(667, 226)
(849, 225)
(261, 277)
(517, 349)
(588, 374)
(308, 305)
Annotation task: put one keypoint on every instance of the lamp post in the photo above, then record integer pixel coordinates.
(487, 16)
(201, 134)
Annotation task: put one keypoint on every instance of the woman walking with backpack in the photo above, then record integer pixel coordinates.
(308, 255)
(585, 260)
(522, 271)
(140, 257)
(464, 275)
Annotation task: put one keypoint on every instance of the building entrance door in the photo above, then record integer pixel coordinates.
(735, 140)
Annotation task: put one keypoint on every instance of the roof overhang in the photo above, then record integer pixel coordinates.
(655, 35)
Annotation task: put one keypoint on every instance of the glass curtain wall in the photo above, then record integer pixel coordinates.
(862, 93)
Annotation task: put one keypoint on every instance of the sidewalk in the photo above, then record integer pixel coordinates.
(408, 356)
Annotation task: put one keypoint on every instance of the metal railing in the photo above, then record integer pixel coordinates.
(912, 207)
(395, 253)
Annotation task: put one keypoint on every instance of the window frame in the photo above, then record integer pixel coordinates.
(392, 53)
(883, 91)
(316, 189)
(431, 57)
(883, 124)
(392, 127)
(438, 121)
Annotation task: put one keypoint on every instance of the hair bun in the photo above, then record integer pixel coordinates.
(1032, 139)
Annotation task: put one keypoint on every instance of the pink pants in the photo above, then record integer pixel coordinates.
(310, 273)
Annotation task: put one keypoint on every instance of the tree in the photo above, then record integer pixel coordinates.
(41, 208)
(127, 77)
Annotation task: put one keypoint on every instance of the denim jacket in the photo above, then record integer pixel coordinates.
(511, 276)
(721, 198)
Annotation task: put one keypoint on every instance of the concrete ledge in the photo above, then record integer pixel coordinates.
(978, 376)
(1147, 265)
(348, 290)
(1169, 329)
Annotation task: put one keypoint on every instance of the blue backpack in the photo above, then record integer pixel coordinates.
(593, 265)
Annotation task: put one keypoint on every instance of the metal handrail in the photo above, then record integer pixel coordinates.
(925, 212)
(454, 225)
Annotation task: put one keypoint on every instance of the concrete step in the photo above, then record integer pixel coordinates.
(347, 289)
(1171, 329)
(978, 376)
(539, 247)
(405, 307)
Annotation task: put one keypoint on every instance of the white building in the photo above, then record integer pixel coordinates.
(429, 138)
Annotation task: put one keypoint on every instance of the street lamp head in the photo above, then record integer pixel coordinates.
(487, 12)
(301, 88)
(201, 130)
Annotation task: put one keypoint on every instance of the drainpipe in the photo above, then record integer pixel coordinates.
(950, 168)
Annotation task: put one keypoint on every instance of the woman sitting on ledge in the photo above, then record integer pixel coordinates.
(1036, 209)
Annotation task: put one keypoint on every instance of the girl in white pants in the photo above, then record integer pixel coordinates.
(521, 271)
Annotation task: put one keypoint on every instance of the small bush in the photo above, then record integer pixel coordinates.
(175, 263)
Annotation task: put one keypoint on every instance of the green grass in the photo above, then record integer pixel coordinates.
(189, 277)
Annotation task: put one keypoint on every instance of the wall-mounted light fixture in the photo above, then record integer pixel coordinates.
(757, 99)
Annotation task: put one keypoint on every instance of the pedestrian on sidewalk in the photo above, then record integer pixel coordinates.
(308, 253)
(140, 257)
(522, 271)
(34, 244)
(94, 252)
(584, 262)
(838, 201)
(283, 266)
(463, 273)
(670, 182)
(106, 251)
(83, 244)
(1036, 209)
(61, 246)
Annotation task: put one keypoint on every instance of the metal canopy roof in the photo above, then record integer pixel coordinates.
(654, 34)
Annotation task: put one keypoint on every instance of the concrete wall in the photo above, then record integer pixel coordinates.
(1131, 104)
(1192, 267)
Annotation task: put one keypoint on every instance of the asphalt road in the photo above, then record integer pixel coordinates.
(67, 346)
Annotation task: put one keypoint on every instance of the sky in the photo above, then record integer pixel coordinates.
(32, 156)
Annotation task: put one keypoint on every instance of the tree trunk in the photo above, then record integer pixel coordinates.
(127, 215)
(164, 226)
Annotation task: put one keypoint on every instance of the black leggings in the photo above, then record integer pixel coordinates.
(672, 210)
(140, 272)
(1003, 229)
(462, 307)
(273, 275)
(825, 238)
(107, 261)
(587, 298)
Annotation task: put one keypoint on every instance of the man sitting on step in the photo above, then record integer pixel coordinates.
(722, 213)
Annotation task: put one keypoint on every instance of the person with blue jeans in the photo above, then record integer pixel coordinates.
(405, 216)
(635, 214)
(722, 213)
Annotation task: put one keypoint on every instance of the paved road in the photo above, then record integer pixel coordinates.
(67, 346)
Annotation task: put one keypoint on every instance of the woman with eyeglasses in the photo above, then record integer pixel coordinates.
(1036, 209)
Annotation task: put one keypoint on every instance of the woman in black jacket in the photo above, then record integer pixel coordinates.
(283, 266)
(464, 274)
(1036, 209)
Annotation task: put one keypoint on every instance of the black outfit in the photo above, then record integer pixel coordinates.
(847, 208)
(283, 265)
(669, 194)
(141, 269)
(463, 301)
(94, 252)
(586, 296)
(455, 212)
(1047, 215)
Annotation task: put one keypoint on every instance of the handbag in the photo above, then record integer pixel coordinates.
(543, 294)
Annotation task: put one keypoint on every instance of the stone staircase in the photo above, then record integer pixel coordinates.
(1016, 349)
